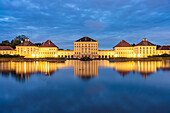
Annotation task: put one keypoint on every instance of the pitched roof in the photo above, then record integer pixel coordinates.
(48, 43)
(26, 43)
(86, 39)
(6, 48)
(123, 43)
(165, 47)
(144, 42)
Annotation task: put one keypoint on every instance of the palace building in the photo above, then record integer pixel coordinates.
(27, 49)
(47, 49)
(7, 50)
(144, 49)
(123, 49)
(85, 47)
(164, 50)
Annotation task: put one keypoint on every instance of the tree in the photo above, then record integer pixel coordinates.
(38, 44)
(14, 43)
(18, 40)
(5, 43)
(133, 44)
(158, 46)
(21, 37)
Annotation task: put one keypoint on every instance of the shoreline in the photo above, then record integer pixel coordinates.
(139, 59)
(20, 59)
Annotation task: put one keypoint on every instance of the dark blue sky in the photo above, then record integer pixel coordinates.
(64, 21)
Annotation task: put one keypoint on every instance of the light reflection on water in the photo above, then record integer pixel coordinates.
(85, 87)
(82, 69)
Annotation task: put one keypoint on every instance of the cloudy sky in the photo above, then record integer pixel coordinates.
(64, 21)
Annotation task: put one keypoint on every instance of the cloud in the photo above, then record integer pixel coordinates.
(95, 25)
(28, 28)
(8, 19)
(73, 6)
(72, 19)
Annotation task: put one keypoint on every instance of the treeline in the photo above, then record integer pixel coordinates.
(17, 40)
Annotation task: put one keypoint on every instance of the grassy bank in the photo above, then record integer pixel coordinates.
(139, 59)
(22, 59)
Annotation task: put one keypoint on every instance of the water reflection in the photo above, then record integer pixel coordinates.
(82, 69)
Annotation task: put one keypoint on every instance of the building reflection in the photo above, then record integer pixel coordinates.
(82, 69)
(85, 70)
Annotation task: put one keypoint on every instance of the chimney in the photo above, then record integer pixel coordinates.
(144, 39)
(165, 44)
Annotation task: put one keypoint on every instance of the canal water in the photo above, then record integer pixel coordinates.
(85, 87)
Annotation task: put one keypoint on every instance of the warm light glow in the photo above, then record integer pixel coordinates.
(134, 55)
(33, 55)
(139, 55)
(91, 51)
(55, 55)
(90, 70)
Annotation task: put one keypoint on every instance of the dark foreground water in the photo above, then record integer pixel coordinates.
(85, 87)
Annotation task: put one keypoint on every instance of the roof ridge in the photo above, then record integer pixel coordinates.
(6, 48)
(145, 43)
(26, 43)
(86, 39)
(48, 43)
(123, 43)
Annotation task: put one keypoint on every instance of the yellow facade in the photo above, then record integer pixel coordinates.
(27, 49)
(8, 52)
(65, 53)
(47, 52)
(160, 52)
(85, 47)
(163, 50)
(124, 52)
(144, 49)
(106, 53)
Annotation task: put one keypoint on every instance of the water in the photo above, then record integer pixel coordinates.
(81, 87)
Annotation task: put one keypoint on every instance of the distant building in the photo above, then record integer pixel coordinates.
(144, 49)
(85, 47)
(27, 49)
(47, 49)
(65, 53)
(164, 50)
(123, 49)
(106, 53)
(7, 50)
